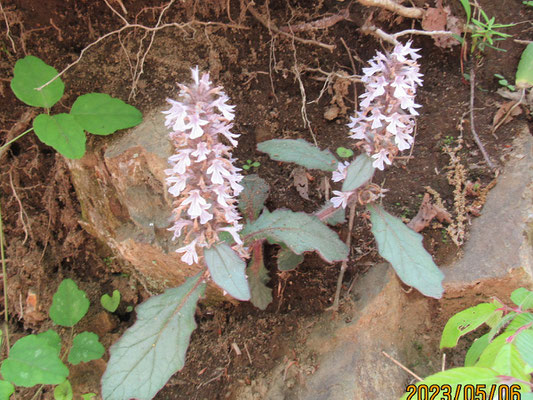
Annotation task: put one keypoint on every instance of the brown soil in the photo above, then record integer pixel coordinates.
(45, 242)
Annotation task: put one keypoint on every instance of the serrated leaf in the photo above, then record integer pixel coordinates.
(63, 391)
(30, 73)
(228, 270)
(403, 248)
(454, 377)
(32, 361)
(85, 348)
(154, 348)
(52, 339)
(495, 329)
(524, 344)
(298, 231)
(110, 303)
(253, 196)
(333, 216)
(488, 356)
(69, 304)
(519, 321)
(524, 72)
(358, 172)
(299, 152)
(261, 294)
(465, 321)
(509, 363)
(61, 132)
(473, 353)
(522, 298)
(6, 390)
(101, 114)
(287, 260)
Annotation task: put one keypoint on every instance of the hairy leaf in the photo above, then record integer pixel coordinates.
(331, 215)
(30, 73)
(154, 348)
(359, 171)
(465, 321)
(85, 348)
(101, 114)
(61, 132)
(32, 361)
(69, 304)
(110, 303)
(473, 353)
(261, 294)
(524, 344)
(287, 260)
(63, 391)
(299, 152)
(299, 231)
(523, 298)
(524, 72)
(403, 248)
(227, 270)
(253, 196)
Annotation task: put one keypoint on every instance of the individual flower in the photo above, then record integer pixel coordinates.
(202, 179)
(341, 198)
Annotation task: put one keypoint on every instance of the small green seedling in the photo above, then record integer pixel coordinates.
(249, 165)
(110, 303)
(486, 33)
(448, 140)
(504, 82)
(344, 152)
(528, 3)
(37, 360)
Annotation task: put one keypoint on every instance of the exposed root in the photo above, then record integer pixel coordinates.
(8, 32)
(408, 12)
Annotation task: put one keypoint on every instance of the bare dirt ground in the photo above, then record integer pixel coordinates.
(264, 74)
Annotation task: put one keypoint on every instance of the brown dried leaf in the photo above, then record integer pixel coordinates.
(426, 213)
(300, 182)
(503, 113)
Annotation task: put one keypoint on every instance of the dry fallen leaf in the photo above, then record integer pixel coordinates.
(503, 112)
(426, 213)
(300, 182)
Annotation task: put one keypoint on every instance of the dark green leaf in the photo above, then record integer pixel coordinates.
(299, 152)
(358, 172)
(253, 196)
(85, 348)
(228, 270)
(69, 304)
(32, 361)
(287, 260)
(473, 353)
(300, 232)
(403, 248)
(101, 114)
(52, 339)
(62, 132)
(465, 321)
(110, 303)
(31, 73)
(154, 348)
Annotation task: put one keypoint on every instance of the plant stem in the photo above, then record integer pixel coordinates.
(4, 279)
(15, 139)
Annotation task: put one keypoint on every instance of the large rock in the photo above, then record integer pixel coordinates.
(120, 184)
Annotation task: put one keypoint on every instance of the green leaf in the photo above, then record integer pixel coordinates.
(63, 391)
(468, 9)
(253, 196)
(287, 260)
(519, 321)
(300, 232)
(524, 73)
(299, 152)
(333, 216)
(32, 361)
(344, 152)
(473, 353)
(62, 133)
(227, 270)
(261, 294)
(358, 172)
(52, 339)
(454, 377)
(88, 396)
(85, 348)
(31, 73)
(403, 248)
(500, 324)
(509, 363)
(6, 390)
(489, 355)
(524, 344)
(110, 303)
(465, 321)
(101, 114)
(154, 348)
(69, 304)
(522, 298)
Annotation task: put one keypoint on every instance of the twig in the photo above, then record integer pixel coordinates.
(393, 38)
(502, 121)
(472, 128)
(248, 354)
(402, 366)
(8, 34)
(4, 273)
(344, 265)
(22, 211)
(13, 134)
(408, 12)
(356, 106)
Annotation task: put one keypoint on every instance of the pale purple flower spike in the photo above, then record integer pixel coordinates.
(202, 178)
